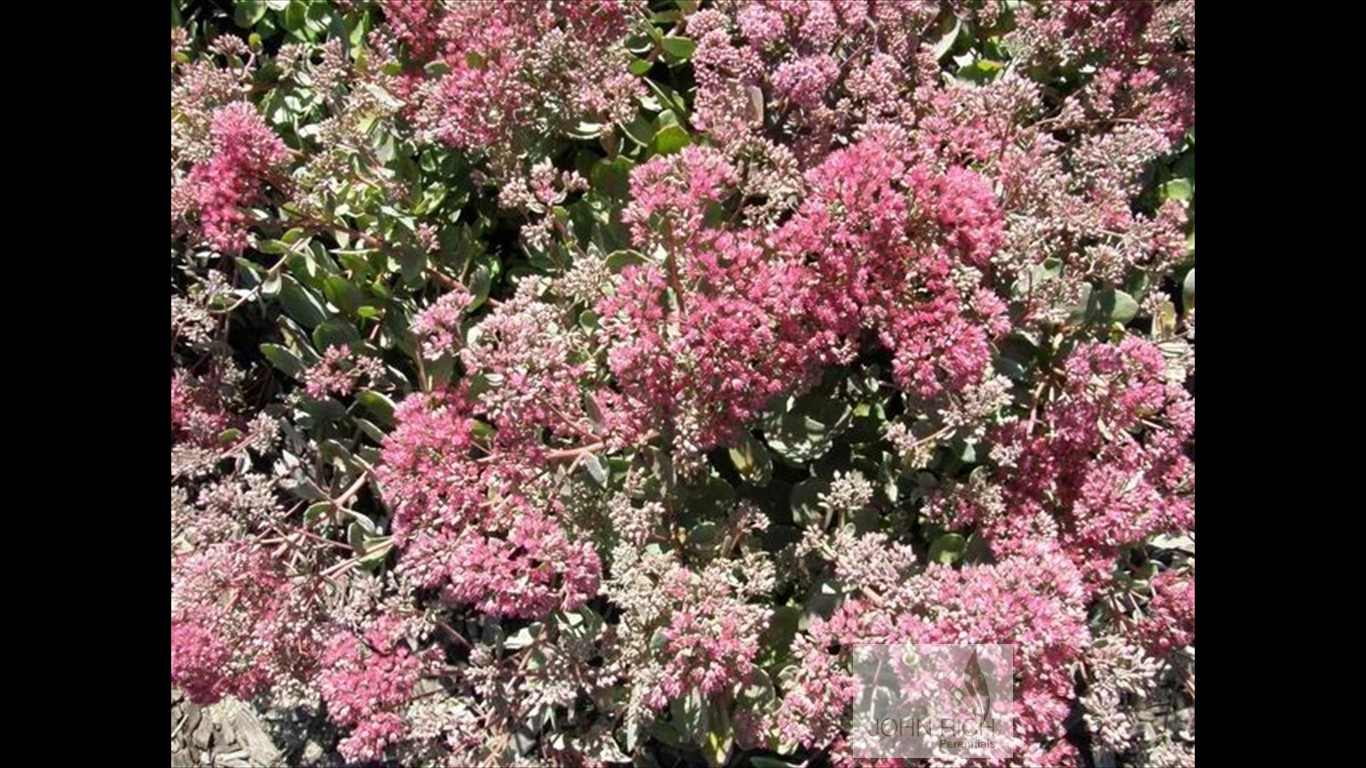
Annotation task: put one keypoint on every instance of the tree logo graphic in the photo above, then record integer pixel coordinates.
(933, 700)
(973, 696)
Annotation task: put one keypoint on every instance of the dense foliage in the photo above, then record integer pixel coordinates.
(561, 382)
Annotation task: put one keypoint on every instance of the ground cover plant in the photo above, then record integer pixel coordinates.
(561, 382)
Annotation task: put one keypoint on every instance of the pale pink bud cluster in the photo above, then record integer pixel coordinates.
(711, 638)
(438, 326)
(517, 70)
(197, 414)
(339, 372)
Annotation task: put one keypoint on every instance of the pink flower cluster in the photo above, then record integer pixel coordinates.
(1036, 601)
(462, 525)
(734, 316)
(1138, 76)
(1109, 470)
(367, 683)
(890, 239)
(705, 339)
(245, 152)
(525, 565)
(532, 369)
(414, 23)
(1170, 621)
(238, 624)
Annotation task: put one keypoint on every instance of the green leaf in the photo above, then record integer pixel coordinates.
(247, 12)
(334, 332)
(759, 693)
(378, 404)
(805, 502)
(804, 429)
(412, 263)
(776, 641)
(704, 536)
(586, 131)
(385, 98)
(821, 600)
(376, 552)
(752, 461)
(369, 547)
(710, 500)
(640, 44)
(283, 359)
(619, 260)
(355, 536)
(270, 287)
(666, 732)
(596, 469)
(369, 428)
(295, 16)
(948, 549)
(481, 282)
(691, 716)
(317, 511)
(680, 47)
(639, 66)
(639, 130)
(976, 551)
(720, 739)
(524, 636)
(1181, 190)
(300, 303)
(670, 139)
(668, 97)
(347, 297)
(946, 42)
(981, 71)
(1110, 306)
(590, 407)
(612, 178)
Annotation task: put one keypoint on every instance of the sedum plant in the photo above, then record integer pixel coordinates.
(574, 382)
